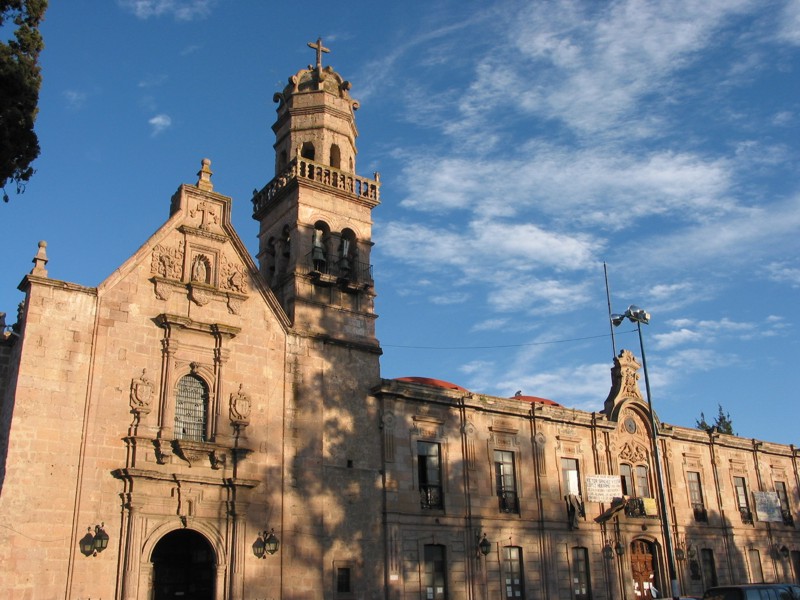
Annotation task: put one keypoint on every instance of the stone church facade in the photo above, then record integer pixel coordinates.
(206, 425)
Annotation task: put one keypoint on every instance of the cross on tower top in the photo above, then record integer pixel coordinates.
(320, 49)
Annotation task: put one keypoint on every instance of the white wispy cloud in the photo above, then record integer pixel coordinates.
(153, 81)
(181, 10)
(160, 123)
(76, 99)
(784, 272)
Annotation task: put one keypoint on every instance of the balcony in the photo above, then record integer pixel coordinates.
(340, 270)
(700, 513)
(430, 497)
(747, 515)
(788, 519)
(641, 508)
(509, 503)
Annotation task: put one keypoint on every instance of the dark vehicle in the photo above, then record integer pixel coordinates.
(753, 591)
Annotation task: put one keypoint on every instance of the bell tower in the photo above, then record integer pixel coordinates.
(315, 215)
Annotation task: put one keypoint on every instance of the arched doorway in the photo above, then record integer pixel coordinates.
(643, 562)
(184, 566)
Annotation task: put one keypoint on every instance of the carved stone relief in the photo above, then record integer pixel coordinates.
(167, 262)
(633, 453)
(239, 408)
(141, 394)
(207, 212)
(233, 276)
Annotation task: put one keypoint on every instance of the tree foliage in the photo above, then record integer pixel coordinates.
(20, 79)
(722, 423)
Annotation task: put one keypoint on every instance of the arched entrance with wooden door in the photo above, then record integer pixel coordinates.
(643, 569)
(184, 566)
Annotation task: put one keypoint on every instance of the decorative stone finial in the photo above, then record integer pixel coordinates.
(40, 260)
(204, 174)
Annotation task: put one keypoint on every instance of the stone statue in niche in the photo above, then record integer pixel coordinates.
(141, 394)
(200, 269)
(240, 408)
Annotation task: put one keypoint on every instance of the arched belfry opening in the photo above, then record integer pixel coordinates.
(184, 566)
(336, 157)
(307, 150)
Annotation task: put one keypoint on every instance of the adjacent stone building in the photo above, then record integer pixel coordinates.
(206, 425)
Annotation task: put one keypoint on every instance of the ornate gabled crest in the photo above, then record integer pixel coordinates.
(624, 382)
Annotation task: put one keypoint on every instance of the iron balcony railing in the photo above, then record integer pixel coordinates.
(509, 503)
(635, 507)
(430, 496)
(700, 513)
(788, 519)
(747, 515)
(344, 268)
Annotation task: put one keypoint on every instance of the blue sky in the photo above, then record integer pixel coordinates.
(520, 145)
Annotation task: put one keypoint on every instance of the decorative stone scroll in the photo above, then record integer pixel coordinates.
(633, 453)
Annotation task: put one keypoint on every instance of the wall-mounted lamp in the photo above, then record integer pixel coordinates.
(781, 552)
(484, 547)
(92, 545)
(266, 543)
(609, 551)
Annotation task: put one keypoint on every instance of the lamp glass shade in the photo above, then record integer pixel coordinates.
(258, 547)
(100, 539)
(485, 546)
(86, 543)
(271, 543)
(619, 548)
(608, 552)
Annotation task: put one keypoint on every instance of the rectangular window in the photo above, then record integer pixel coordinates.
(581, 583)
(740, 487)
(642, 482)
(571, 477)
(512, 571)
(435, 573)
(709, 567)
(429, 467)
(505, 481)
(343, 582)
(696, 496)
(783, 496)
(755, 565)
(626, 474)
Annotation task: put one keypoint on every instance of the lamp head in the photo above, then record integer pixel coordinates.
(617, 319)
(637, 315)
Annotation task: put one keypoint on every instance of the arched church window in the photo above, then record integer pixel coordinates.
(307, 151)
(336, 157)
(191, 408)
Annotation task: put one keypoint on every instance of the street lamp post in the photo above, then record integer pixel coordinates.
(638, 315)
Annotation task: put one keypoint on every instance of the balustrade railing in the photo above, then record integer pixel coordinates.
(303, 168)
(508, 500)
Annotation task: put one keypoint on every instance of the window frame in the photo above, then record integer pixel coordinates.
(581, 574)
(432, 575)
(741, 498)
(180, 414)
(566, 479)
(505, 471)
(694, 486)
(425, 468)
(513, 565)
